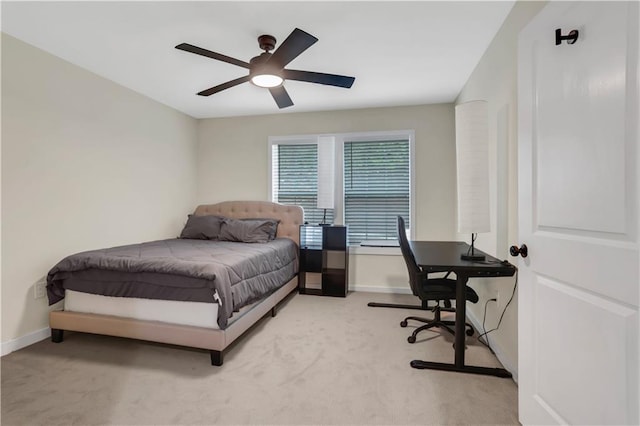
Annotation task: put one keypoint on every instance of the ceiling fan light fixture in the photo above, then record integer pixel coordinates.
(267, 80)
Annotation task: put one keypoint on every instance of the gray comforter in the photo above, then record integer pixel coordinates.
(232, 274)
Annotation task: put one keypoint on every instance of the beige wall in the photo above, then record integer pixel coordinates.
(495, 81)
(86, 164)
(233, 164)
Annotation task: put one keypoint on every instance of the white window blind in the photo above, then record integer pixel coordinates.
(376, 188)
(295, 179)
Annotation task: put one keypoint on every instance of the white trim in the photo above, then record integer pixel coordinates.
(270, 170)
(376, 251)
(338, 211)
(372, 289)
(326, 148)
(296, 139)
(24, 341)
(507, 362)
(413, 228)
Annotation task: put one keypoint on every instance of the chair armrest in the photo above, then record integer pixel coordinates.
(423, 275)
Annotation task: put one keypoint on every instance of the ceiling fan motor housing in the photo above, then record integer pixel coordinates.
(267, 42)
(256, 61)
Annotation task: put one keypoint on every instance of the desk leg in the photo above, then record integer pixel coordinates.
(461, 316)
(485, 371)
(458, 365)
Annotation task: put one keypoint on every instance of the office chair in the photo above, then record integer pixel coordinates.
(437, 289)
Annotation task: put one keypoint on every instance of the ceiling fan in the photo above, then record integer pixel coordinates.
(268, 69)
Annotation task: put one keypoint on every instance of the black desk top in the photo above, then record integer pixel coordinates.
(438, 256)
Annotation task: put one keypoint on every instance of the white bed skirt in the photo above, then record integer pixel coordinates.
(197, 314)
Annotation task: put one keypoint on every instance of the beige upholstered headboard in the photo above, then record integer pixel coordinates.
(291, 217)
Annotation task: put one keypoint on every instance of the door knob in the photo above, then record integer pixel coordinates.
(522, 250)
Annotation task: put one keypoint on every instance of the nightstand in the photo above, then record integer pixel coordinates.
(324, 260)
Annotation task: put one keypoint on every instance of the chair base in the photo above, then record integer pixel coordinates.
(435, 322)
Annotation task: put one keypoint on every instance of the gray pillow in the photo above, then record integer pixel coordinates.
(273, 223)
(249, 230)
(202, 227)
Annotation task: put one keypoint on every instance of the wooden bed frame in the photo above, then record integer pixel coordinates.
(216, 341)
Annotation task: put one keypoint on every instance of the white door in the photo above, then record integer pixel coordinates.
(578, 214)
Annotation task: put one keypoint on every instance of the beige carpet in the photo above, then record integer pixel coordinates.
(319, 361)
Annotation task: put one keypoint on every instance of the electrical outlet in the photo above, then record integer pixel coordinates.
(39, 289)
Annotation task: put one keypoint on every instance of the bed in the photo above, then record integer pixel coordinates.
(211, 316)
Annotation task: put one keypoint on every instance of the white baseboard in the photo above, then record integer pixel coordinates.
(24, 341)
(373, 289)
(506, 361)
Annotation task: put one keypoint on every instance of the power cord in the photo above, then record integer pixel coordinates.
(484, 332)
(484, 319)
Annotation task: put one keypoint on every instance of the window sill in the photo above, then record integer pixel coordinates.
(375, 251)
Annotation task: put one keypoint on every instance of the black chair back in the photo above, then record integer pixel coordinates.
(409, 258)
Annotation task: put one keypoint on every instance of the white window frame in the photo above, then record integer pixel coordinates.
(340, 139)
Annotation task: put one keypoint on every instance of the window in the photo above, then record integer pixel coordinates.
(376, 188)
(372, 181)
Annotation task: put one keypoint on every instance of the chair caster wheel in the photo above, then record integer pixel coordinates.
(411, 339)
(403, 323)
(469, 332)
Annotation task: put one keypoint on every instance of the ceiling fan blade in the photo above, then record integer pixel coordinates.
(204, 52)
(223, 86)
(297, 42)
(281, 96)
(320, 78)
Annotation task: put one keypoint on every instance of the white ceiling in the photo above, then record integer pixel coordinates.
(401, 53)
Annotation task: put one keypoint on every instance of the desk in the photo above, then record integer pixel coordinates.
(439, 256)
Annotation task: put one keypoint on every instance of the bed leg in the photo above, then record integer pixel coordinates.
(274, 312)
(57, 335)
(216, 358)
